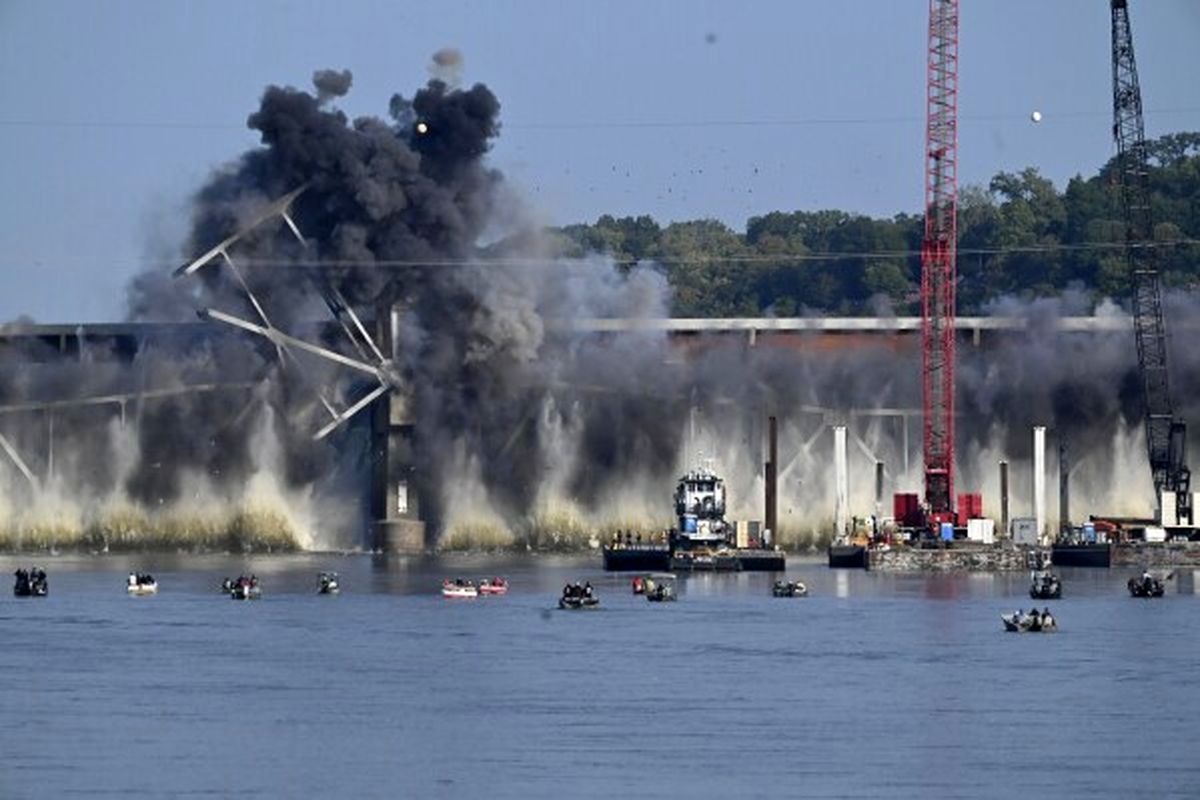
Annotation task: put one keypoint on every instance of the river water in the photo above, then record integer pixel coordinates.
(875, 685)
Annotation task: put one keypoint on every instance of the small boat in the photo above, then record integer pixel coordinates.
(1044, 585)
(575, 603)
(327, 583)
(575, 597)
(244, 588)
(1146, 586)
(31, 583)
(789, 589)
(140, 584)
(1034, 622)
(459, 589)
(660, 588)
(638, 584)
(494, 586)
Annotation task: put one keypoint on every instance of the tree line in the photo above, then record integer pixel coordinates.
(1018, 236)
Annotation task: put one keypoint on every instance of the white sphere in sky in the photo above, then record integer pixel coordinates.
(423, 128)
(1036, 116)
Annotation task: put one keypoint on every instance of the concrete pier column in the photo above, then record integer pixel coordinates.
(1004, 498)
(841, 471)
(1039, 479)
(1064, 485)
(397, 525)
(771, 511)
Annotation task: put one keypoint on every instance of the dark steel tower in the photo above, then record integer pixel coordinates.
(1166, 434)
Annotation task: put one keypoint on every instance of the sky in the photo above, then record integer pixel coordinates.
(114, 113)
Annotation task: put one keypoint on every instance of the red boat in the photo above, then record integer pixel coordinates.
(494, 586)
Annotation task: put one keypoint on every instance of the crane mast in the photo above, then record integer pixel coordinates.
(938, 258)
(1166, 434)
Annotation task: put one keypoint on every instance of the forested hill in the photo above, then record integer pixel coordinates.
(1018, 236)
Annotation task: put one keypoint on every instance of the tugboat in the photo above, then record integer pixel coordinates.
(1044, 585)
(327, 583)
(789, 589)
(702, 540)
(1148, 585)
(31, 583)
(140, 584)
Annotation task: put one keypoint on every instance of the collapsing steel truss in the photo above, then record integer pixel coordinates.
(371, 359)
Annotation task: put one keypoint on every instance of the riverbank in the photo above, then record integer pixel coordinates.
(960, 558)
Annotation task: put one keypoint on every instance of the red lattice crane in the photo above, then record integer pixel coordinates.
(937, 259)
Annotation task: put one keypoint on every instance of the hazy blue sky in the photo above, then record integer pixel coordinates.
(113, 112)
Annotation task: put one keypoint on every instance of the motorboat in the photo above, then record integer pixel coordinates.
(1032, 622)
(1146, 586)
(327, 583)
(244, 588)
(660, 588)
(789, 589)
(495, 586)
(575, 603)
(140, 584)
(575, 597)
(459, 589)
(1044, 585)
(31, 583)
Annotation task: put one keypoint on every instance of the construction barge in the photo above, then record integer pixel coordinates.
(702, 540)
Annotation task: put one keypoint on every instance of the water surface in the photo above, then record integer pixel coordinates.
(875, 685)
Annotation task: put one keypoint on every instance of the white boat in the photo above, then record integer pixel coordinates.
(141, 584)
(459, 589)
(327, 583)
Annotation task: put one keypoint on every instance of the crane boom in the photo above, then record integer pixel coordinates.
(1166, 433)
(938, 258)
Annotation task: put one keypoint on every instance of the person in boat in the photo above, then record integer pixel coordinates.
(1035, 620)
(1047, 619)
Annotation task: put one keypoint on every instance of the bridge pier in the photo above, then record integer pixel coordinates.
(396, 524)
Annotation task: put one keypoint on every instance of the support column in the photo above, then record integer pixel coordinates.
(1039, 479)
(395, 486)
(1004, 498)
(770, 513)
(842, 482)
(1064, 486)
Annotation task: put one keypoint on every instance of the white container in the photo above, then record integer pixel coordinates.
(981, 530)
(1156, 534)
